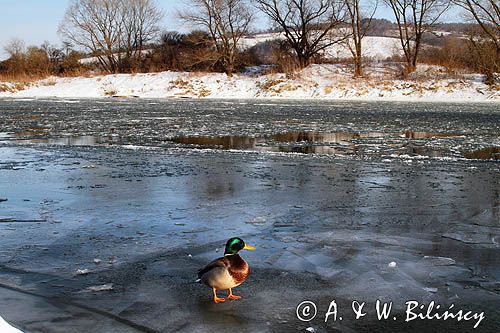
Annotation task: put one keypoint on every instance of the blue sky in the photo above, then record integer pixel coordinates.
(35, 21)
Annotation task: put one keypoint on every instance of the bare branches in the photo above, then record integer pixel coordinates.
(15, 47)
(115, 31)
(227, 21)
(414, 18)
(307, 25)
(140, 26)
(486, 38)
(486, 13)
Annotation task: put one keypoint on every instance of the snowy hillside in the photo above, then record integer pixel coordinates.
(315, 82)
(376, 48)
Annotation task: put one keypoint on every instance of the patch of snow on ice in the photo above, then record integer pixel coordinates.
(6, 328)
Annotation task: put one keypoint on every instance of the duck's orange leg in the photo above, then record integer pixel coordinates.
(217, 299)
(231, 296)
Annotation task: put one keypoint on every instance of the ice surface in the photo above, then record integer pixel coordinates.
(438, 131)
(325, 227)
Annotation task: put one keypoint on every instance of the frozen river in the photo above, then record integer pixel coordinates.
(344, 201)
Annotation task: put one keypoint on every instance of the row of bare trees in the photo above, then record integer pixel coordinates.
(116, 32)
(311, 26)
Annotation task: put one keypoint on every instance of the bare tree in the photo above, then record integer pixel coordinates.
(226, 21)
(486, 13)
(306, 24)
(15, 47)
(95, 26)
(359, 20)
(413, 19)
(140, 18)
(115, 31)
(55, 56)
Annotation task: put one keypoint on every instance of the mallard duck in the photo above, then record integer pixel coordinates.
(227, 272)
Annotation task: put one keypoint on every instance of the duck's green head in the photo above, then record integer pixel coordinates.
(235, 245)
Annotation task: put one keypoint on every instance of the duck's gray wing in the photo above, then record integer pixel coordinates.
(220, 262)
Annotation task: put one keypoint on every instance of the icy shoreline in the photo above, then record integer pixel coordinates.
(322, 82)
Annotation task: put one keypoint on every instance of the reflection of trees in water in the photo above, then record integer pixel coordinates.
(225, 142)
(335, 137)
(308, 142)
(489, 153)
(219, 181)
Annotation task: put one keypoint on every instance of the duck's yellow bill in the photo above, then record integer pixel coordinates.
(249, 247)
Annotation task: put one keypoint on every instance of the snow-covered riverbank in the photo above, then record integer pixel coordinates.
(316, 82)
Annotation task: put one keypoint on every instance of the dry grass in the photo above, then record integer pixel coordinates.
(204, 93)
(17, 82)
(110, 92)
(191, 85)
(13, 86)
(4, 87)
(49, 82)
(269, 84)
(21, 78)
(181, 83)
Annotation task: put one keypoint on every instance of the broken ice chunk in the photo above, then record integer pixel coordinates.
(257, 220)
(438, 261)
(103, 287)
(431, 290)
(82, 271)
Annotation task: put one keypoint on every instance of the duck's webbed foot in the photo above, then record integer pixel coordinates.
(231, 296)
(217, 299)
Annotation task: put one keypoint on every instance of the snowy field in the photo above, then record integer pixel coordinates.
(329, 82)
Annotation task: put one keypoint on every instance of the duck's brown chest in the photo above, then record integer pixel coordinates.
(239, 269)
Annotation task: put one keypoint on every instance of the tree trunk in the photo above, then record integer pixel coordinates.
(410, 62)
(358, 59)
(358, 67)
(229, 70)
(303, 61)
(410, 67)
